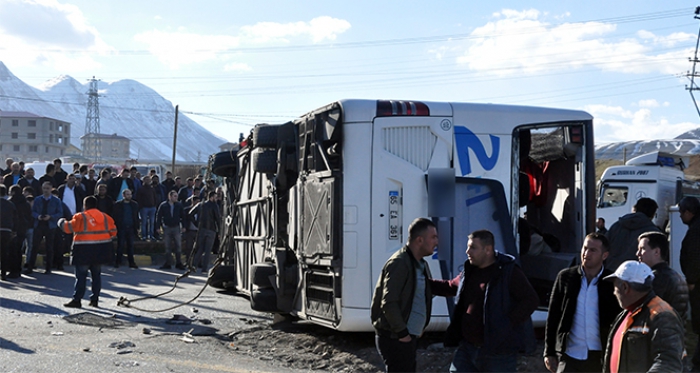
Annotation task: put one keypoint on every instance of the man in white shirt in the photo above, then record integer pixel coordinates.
(72, 196)
(581, 309)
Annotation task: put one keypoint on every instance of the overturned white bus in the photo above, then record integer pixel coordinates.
(314, 207)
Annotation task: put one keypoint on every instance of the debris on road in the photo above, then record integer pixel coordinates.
(179, 320)
(187, 337)
(121, 345)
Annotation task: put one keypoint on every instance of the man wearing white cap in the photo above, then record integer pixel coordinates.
(648, 334)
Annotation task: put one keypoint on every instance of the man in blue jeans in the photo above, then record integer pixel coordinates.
(491, 321)
(146, 197)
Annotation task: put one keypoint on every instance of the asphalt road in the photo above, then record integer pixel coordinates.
(38, 334)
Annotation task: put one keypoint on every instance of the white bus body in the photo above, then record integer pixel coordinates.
(315, 207)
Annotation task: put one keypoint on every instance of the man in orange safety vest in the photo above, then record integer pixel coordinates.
(92, 246)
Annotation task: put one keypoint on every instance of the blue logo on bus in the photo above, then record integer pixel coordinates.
(465, 140)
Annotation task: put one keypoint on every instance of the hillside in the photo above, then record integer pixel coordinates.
(127, 108)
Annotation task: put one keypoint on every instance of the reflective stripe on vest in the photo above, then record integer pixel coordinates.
(84, 236)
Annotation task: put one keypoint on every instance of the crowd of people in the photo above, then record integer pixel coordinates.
(621, 308)
(142, 207)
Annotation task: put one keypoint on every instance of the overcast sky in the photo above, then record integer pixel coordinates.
(231, 64)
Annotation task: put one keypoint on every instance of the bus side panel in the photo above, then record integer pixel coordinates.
(357, 160)
(403, 149)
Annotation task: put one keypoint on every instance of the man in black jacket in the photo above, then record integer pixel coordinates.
(170, 216)
(105, 203)
(580, 298)
(28, 180)
(690, 263)
(623, 234)
(118, 184)
(208, 220)
(60, 176)
(126, 218)
(668, 284)
(491, 320)
(24, 222)
(8, 215)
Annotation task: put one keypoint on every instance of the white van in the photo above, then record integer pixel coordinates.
(654, 175)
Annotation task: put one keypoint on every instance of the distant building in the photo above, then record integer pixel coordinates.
(98, 146)
(29, 137)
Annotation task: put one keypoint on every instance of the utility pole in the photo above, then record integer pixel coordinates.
(172, 167)
(92, 146)
(692, 75)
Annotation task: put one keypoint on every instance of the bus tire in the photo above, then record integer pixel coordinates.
(263, 300)
(260, 274)
(265, 136)
(223, 277)
(224, 164)
(265, 161)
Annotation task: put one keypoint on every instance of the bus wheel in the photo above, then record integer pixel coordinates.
(224, 164)
(265, 161)
(265, 136)
(263, 300)
(260, 274)
(222, 276)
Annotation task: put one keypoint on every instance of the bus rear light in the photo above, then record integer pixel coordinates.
(387, 108)
(576, 133)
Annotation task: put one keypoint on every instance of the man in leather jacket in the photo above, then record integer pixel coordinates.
(647, 336)
(401, 304)
(668, 284)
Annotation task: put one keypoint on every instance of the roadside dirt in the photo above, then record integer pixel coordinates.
(305, 346)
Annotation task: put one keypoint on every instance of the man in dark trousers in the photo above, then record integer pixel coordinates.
(126, 217)
(401, 304)
(581, 308)
(171, 216)
(491, 319)
(92, 247)
(208, 220)
(690, 263)
(8, 216)
(46, 211)
(190, 235)
(23, 224)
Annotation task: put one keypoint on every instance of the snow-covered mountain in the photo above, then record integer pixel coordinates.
(687, 143)
(127, 108)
